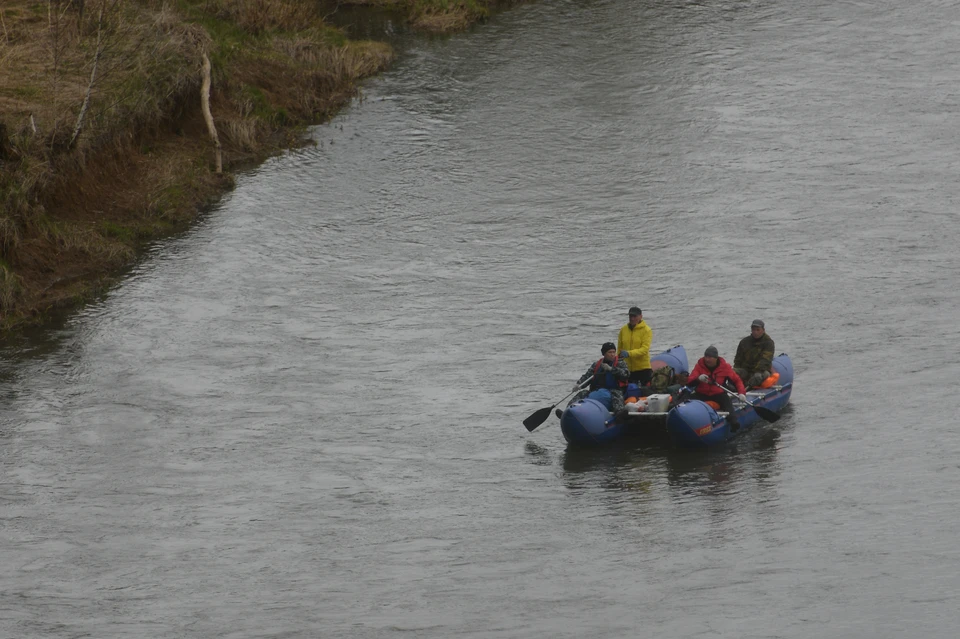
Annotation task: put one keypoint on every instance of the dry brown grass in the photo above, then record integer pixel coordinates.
(438, 16)
(257, 16)
(352, 60)
(457, 19)
(243, 133)
(10, 288)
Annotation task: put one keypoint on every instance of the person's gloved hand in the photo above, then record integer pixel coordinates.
(743, 398)
(624, 354)
(576, 386)
(703, 378)
(606, 368)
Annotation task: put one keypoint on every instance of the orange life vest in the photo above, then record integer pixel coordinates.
(610, 382)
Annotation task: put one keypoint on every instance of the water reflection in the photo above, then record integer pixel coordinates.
(618, 471)
(702, 472)
(538, 455)
(44, 345)
(751, 467)
(589, 460)
(37, 341)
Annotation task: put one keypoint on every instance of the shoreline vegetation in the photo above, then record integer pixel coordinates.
(117, 115)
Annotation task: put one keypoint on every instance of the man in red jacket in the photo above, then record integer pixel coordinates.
(712, 368)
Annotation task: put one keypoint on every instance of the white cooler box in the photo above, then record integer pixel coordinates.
(658, 403)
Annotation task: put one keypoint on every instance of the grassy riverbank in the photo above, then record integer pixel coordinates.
(104, 144)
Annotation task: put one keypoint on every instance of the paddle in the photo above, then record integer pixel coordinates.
(541, 415)
(763, 413)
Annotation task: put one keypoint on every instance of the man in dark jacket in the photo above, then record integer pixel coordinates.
(754, 356)
(609, 372)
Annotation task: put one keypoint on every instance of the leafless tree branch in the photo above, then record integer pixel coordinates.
(93, 78)
(205, 105)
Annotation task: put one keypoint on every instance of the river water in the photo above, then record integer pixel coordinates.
(303, 417)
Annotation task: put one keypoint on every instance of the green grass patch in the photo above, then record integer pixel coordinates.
(27, 92)
(257, 102)
(118, 232)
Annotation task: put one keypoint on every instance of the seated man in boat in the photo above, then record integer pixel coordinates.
(754, 356)
(609, 372)
(709, 378)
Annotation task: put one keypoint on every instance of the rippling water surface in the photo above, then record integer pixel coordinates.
(303, 417)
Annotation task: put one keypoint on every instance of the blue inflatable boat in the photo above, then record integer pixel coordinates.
(689, 424)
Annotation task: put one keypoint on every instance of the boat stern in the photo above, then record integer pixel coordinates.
(694, 424)
(588, 422)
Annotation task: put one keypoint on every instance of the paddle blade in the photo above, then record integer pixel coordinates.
(537, 418)
(766, 414)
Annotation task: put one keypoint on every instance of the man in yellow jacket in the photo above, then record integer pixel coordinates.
(634, 339)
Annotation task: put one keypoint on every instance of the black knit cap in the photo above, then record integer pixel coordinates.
(607, 346)
(711, 352)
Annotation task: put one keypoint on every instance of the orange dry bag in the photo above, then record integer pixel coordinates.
(770, 381)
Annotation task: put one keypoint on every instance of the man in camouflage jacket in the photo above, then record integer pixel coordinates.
(754, 356)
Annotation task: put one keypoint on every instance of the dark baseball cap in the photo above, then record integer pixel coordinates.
(757, 323)
(634, 310)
